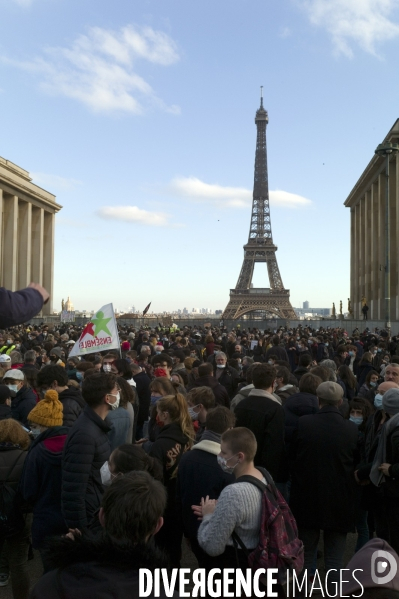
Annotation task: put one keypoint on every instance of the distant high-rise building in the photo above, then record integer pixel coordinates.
(305, 305)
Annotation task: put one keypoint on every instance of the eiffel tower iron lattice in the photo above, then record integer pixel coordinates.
(260, 247)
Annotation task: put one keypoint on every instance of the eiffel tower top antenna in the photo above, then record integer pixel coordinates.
(261, 96)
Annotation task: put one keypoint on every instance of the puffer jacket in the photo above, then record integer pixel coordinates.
(22, 404)
(73, 404)
(86, 449)
(12, 459)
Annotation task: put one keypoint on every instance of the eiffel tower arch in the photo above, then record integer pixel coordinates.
(244, 298)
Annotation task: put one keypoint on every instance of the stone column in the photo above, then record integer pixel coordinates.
(367, 245)
(394, 255)
(356, 265)
(24, 243)
(37, 245)
(10, 238)
(374, 267)
(1, 239)
(395, 199)
(354, 289)
(48, 257)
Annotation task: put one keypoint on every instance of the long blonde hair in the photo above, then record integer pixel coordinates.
(176, 406)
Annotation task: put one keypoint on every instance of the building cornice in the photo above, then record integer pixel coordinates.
(372, 170)
(15, 180)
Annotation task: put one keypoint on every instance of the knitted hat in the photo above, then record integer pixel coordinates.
(390, 401)
(56, 351)
(49, 411)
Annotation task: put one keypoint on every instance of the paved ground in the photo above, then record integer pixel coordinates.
(188, 561)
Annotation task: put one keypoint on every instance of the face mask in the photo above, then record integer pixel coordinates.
(373, 384)
(270, 362)
(13, 388)
(107, 367)
(351, 353)
(158, 351)
(356, 419)
(221, 365)
(379, 350)
(223, 464)
(193, 413)
(326, 344)
(54, 358)
(115, 405)
(17, 346)
(105, 475)
(193, 355)
(378, 401)
(79, 376)
(35, 432)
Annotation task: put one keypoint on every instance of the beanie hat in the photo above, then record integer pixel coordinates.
(160, 372)
(56, 351)
(48, 411)
(390, 401)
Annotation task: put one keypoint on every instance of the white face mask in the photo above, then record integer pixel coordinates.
(107, 367)
(13, 388)
(221, 365)
(115, 405)
(105, 475)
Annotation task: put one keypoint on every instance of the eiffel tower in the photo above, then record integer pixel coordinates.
(260, 247)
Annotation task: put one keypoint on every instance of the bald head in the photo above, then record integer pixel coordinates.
(383, 387)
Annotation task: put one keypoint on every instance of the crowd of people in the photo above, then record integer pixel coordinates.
(117, 460)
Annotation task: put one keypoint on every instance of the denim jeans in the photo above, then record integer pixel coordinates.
(17, 548)
(334, 549)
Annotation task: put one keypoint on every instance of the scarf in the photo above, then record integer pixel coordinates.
(376, 476)
(210, 436)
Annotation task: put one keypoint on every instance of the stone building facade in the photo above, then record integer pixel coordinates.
(367, 205)
(27, 215)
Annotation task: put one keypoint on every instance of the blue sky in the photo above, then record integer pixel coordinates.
(139, 116)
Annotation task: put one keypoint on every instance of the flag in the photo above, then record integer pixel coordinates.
(146, 309)
(100, 334)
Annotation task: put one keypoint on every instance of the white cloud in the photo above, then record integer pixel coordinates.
(230, 197)
(363, 22)
(100, 68)
(54, 181)
(133, 214)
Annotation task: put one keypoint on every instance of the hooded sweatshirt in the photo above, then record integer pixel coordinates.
(365, 568)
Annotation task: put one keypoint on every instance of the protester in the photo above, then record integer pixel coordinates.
(56, 378)
(14, 442)
(24, 400)
(5, 402)
(40, 483)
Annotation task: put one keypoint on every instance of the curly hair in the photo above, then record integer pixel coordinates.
(12, 432)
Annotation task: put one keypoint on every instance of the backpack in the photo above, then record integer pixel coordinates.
(279, 545)
(11, 517)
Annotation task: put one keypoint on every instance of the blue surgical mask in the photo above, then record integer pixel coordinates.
(13, 388)
(79, 376)
(378, 401)
(154, 399)
(373, 384)
(356, 419)
(326, 344)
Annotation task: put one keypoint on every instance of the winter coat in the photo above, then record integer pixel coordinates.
(300, 371)
(5, 411)
(40, 484)
(296, 406)
(323, 485)
(199, 475)
(228, 379)
(264, 416)
(243, 392)
(17, 307)
(277, 350)
(22, 404)
(285, 392)
(86, 449)
(119, 433)
(96, 567)
(220, 393)
(391, 484)
(362, 372)
(12, 459)
(143, 381)
(72, 403)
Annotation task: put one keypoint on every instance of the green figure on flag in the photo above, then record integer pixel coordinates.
(100, 323)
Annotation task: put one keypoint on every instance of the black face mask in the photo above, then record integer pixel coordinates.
(54, 358)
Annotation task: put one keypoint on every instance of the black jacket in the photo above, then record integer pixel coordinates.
(72, 403)
(143, 381)
(220, 393)
(199, 475)
(22, 404)
(12, 459)
(279, 351)
(391, 485)
(229, 379)
(96, 567)
(323, 484)
(300, 371)
(5, 411)
(265, 418)
(86, 450)
(17, 307)
(296, 406)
